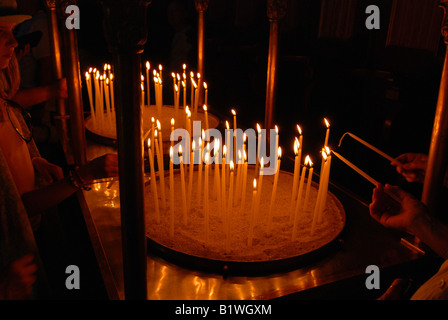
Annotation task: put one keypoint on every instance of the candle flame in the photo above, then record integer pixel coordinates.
(194, 83)
(307, 160)
(178, 77)
(180, 149)
(200, 141)
(224, 150)
(193, 145)
(160, 67)
(216, 145)
(176, 88)
(111, 77)
(87, 76)
(239, 155)
(258, 128)
(227, 125)
(158, 125)
(107, 81)
(155, 133)
(152, 120)
(233, 112)
(173, 75)
(184, 66)
(207, 157)
(149, 142)
(90, 70)
(204, 107)
(245, 155)
(141, 85)
(279, 152)
(299, 129)
(142, 77)
(171, 152)
(203, 134)
(276, 129)
(327, 123)
(327, 150)
(191, 74)
(148, 66)
(244, 137)
(205, 85)
(324, 155)
(97, 75)
(172, 121)
(296, 146)
(262, 163)
(255, 184)
(232, 167)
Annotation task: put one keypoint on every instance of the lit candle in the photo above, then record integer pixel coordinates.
(327, 180)
(185, 93)
(229, 210)
(184, 195)
(171, 194)
(142, 94)
(299, 199)
(153, 181)
(274, 189)
(176, 100)
(229, 143)
(260, 185)
(308, 186)
(107, 94)
(206, 93)
(328, 132)
(223, 179)
(234, 135)
(239, 176)
(252, 214)
(148, 67)
(196, 95)
(206, 200)
(243, 193)
(190, 179)
(160, 166)
(160, 72)
(201, 147)
(89, 91)
(112, 95)
(216, 185)
(206, 117)
(319, 193)
(296, 176)
(258, 146)
(171, 133)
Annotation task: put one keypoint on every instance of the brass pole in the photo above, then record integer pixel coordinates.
(74, 90)
(438, 156)
(126, 33)
(201, 7)
(61, 117)
(276, 10)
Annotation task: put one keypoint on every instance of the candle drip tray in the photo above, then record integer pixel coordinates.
(224, 249)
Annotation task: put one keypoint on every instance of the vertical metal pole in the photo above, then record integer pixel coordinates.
(126, 33)
(78, 137)
(438, 151)
(201, 7)
(61, 117)
(276, 10)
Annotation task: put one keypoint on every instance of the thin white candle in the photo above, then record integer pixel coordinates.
(148, 84)
(171, 194)
(223, 179)
(327, 135)
(190, 178)
(230, 206)
(184, 195)
(296, 177)
(206, 93)
(260, 185)
(92, 107)
(274, 190)
(244, 182)
(160, 166)
(153, 181)
(308, 186)
(252, 213)
(299, 200)
(206, 197)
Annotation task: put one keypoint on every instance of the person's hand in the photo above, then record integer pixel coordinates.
(59, 89)
(102, 167)
(402, 216)
(413, 167)
(17, 280)
(49, 172)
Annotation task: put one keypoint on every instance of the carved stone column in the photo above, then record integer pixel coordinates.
(276, 10)
(55, 46)
(438, 151)
(126, 33)
(201, 7)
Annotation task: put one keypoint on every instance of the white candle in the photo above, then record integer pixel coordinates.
(299, 201)
(234, 135)
(274, 189)
(296, 177)
(185, 94)
(319, 193)
(204, 107)
(216, 184)
(252, 213)
(223, 179)
(153, 181)
(160, 165)
(308, 186)
(184, 195)
(148, 88)
(201, 148)
(89, 91)
(244, 182)
(206, 200)
(229, 210)
(258, 146)
(171, 194)
(327, 135)
(260, 185)
(190, 178)
(206, 93)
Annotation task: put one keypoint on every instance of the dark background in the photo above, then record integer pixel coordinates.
(364, 81)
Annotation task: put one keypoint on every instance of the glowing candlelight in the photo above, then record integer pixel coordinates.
(243, 193)
(204, 107)
(89, 91)
(234, 135)
(153, 181)
(258, 146)
(216, 185)
(260, 185)
(206, 93)
(185, 94)
(296, 176)
(171, 194)
(299, 198)
(274, 189)
(112, 95)
(252, 214)
(308, 186)
(328, 132)
(160, 166)
(206, 200)
(229, 210)
(184, 195)
(148, 67)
